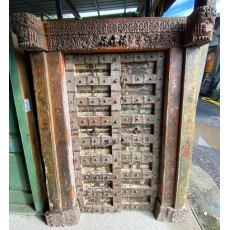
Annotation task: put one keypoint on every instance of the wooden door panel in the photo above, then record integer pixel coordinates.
(115, 114)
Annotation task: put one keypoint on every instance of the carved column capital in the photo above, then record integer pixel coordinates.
(61, 219)
(30, 32)
(199, 26)
(169, 214)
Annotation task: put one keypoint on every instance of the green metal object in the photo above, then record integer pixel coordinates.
(30, 160)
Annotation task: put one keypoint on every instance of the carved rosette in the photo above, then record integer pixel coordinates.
(62, 219)
(30, 32)
(169, 214)
(200, 26)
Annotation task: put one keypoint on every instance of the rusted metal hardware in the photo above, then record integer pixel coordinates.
(116, 129)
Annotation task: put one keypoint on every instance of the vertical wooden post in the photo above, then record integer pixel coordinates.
(53, 118)
(170, 125)
(194, 63)
(173, 79)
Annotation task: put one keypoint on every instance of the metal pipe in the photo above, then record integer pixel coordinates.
(97, 7)
(73, 9)
(59, 9)
(146, 8)
(36, 7)
(125, 6)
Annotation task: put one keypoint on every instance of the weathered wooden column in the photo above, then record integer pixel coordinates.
(53, 117)
(164, 209)
(180, 112)
(181, 39)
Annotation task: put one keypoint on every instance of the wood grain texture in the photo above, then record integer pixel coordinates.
(194, 63)
(173, 80)
(40, 78)
(53, 118)
(26, 122)
(59, 117)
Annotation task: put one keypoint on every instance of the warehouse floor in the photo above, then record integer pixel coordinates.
(203, 191)
(132, 220)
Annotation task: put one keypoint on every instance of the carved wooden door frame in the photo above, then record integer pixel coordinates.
(184, 41)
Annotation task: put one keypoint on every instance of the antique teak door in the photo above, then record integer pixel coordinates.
(115, 105)
(116, 101)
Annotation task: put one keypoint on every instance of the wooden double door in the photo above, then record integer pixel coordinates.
(115, 110)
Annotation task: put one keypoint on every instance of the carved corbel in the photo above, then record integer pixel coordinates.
(199, 26)
(30, 32)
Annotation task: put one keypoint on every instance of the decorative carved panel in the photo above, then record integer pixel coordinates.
(115, 104)
(116, 33)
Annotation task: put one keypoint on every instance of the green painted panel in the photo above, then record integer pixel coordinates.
(15, 144)
(13, 124)
(18, 175)
(21, 209)
(31, 165)
(20, 197)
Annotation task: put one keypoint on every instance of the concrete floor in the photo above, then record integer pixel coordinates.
(204, 194)
(203, 191)
(125, 220)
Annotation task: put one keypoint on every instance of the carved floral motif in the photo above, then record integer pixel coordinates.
(135, 33)
(62, 219)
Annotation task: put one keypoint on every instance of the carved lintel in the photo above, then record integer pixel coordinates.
(116, 33)
(61, 219)
(169, 214)
(200, 24)
(30, 32)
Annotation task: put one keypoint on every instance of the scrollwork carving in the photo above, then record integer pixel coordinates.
(123, 33)
(62, 219)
